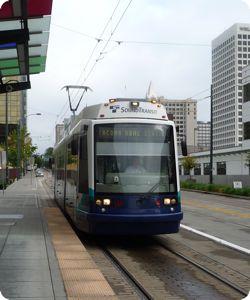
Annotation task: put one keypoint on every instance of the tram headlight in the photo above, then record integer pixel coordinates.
(106, 202)
(173, 201)
(167, 201)
(112, 100)
(153, 101)
(98, 202)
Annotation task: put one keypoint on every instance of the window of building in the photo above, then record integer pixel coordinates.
(246, 92)
(247, 131)
(186, 172)
(221, 168)
(180, 173)
(206, 167)
(197, 169)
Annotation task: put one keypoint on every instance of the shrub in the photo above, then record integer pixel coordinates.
(223, 189)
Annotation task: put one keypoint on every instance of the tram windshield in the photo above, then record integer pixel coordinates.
(134, 158)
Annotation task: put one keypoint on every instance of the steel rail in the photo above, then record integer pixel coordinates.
(206, 270)
(128, 276)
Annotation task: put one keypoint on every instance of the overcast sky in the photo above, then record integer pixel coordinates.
(177, 58)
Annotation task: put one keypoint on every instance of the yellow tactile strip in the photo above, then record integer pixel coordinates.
(82, 279)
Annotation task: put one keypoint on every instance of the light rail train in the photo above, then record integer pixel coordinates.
(116, 170)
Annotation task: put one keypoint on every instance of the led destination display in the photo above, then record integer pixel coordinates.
(133, 132)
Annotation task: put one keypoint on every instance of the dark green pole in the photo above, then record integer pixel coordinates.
(19, 150)
(6, 137)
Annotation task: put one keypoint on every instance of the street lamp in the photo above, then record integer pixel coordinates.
(36, 114)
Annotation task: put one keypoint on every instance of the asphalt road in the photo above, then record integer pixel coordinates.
(223, 217)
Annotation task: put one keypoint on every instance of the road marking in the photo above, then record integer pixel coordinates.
(216, 239)
(11, 216)
(217, 209)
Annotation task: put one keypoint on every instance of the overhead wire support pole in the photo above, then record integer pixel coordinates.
(6, 138)
(211, 137)
(85, 89)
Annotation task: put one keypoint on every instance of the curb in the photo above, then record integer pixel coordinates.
(218, 194)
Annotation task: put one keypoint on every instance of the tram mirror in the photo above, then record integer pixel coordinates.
(51, 162)
(184, 148)
(83, 147)
(74, 147)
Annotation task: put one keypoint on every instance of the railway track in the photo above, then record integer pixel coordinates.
(162, 268)
(226, 275)
(175, 275)
(139, 289)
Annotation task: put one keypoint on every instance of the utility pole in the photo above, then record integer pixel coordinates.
(6, 138)
(19, 150)
(211, 136)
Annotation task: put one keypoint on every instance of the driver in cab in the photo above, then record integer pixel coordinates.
(135, 167)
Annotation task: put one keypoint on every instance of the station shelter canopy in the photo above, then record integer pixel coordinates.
(24, 35)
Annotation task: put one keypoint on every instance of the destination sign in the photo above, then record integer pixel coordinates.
(132, 132)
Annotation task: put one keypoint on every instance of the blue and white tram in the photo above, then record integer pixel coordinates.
(116, 170)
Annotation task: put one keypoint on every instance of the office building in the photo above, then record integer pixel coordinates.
(246, 106)
(59, 132)
(185, 117)
(230, 53)
(203, 135)
(16, 108)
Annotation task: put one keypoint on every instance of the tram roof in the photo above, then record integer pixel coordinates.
(125, 108)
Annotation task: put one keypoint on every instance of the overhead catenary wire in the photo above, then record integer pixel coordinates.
(121, 41)
(107, 42)
(98, 40)
(103, 49)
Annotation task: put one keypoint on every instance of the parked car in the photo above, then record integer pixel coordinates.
(39, 173)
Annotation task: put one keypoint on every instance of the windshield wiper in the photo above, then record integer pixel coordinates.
(154, 187)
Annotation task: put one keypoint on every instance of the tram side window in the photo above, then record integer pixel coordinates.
(60, 165)
(83, 165)
(72, 160)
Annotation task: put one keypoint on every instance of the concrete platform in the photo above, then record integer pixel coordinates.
(40, 256)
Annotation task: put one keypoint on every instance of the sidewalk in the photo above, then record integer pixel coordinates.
(28, 265)
(41, 258)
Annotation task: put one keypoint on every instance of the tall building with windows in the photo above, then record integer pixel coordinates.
(185, 117)
(246, 106)
(203, 135)
(230, 53)
(16, 111)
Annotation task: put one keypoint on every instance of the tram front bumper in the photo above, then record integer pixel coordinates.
(109, 224)
(135, 217)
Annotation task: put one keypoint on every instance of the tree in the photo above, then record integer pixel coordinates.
(188, 163)
(48, 152)
(20, 141)
(47, 157)
(38, 160)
